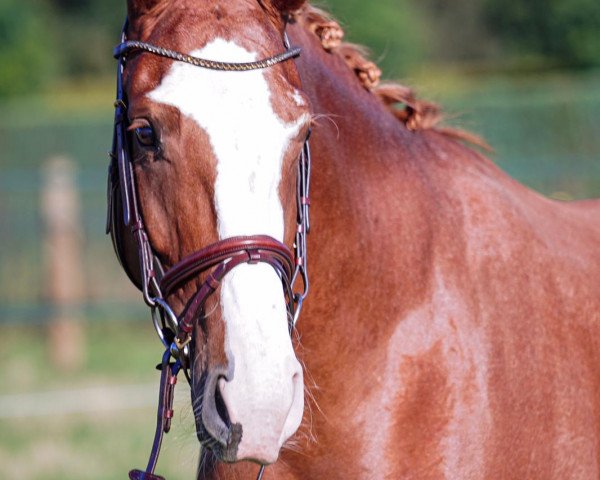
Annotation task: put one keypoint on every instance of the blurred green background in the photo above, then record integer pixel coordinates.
(525, 74)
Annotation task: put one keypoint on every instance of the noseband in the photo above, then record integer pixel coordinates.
(126, 226)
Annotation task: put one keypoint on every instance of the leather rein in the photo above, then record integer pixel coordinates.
(124, 221)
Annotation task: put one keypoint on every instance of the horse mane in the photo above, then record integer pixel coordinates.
(400, 100)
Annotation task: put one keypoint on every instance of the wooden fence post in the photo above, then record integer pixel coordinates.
(64, 276)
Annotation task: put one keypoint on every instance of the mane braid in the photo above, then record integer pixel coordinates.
(401, 100)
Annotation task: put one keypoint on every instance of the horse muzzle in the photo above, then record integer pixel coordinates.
(237, 423)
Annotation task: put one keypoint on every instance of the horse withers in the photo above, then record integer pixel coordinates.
(451, 329)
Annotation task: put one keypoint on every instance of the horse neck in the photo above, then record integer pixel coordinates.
(373, 214)
(357, 140)
(339, 102)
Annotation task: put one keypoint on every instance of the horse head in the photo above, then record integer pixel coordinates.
(214, 156)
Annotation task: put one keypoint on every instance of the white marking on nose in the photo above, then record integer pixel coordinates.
(249, 142)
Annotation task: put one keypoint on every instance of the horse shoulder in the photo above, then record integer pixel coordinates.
(518, 274)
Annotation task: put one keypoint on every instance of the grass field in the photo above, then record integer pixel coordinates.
(102, 432)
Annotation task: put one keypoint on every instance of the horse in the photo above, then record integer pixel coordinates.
(452, 325)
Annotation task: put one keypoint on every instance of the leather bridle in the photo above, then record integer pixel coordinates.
(126, 227)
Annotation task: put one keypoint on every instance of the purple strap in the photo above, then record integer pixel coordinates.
(168, 380)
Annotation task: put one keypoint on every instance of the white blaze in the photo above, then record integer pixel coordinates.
(249, 142)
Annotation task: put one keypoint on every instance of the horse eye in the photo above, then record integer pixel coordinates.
(146, 136)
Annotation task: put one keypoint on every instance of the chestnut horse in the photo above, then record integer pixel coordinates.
(453, 324)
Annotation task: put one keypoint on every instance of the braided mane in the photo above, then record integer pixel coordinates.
(415, 114)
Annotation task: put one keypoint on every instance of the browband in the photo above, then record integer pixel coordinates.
(129, 45)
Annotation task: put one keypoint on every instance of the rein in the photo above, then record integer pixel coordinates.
(217, 259)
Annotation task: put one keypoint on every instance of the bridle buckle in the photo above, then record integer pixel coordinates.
(181, 343)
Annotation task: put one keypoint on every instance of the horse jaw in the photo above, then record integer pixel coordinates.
(264, 394)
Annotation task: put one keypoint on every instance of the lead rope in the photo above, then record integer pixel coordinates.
(166, 395)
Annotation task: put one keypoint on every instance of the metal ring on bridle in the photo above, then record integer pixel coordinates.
(181, 354)
(299, 299)
(159, 311)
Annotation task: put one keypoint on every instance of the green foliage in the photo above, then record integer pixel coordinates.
(27, 47)
(46, 40)
(394, 30)
(89, 30)
(566, 32)
(457, 30)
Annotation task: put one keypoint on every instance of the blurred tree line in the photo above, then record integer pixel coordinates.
(47, 41)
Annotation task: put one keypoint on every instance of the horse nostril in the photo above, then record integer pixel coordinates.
(214, 422)
(220, 403)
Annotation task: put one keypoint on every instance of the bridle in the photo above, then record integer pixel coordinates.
(126, 227)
